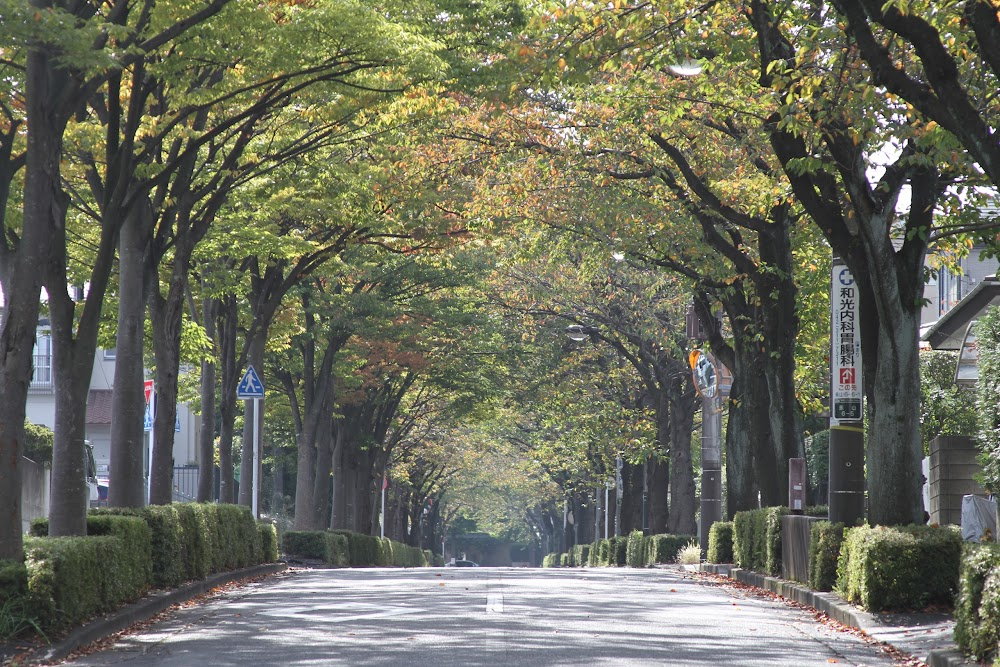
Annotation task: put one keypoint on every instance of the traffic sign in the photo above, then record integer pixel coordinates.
(250, 386)
(147, 423)
(147, 388)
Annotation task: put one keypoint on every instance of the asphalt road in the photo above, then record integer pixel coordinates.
(489, 617)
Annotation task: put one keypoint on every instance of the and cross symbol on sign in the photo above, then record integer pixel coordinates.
(250, 386)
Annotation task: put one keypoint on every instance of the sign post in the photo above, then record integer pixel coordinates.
(385, 485)
(713, 382)
(147, 388)
(250, 387)
(847, 442)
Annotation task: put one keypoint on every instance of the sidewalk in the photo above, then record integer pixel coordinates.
(136, 612)
(927, 637)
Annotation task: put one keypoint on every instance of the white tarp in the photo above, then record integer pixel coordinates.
(979, 515)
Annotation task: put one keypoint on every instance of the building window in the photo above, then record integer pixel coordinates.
(42, 376)
(111, 355)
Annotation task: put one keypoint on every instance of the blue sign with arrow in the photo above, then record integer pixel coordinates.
(250, 386)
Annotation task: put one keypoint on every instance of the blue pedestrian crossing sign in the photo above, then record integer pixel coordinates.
(147, 423)
(250, 386)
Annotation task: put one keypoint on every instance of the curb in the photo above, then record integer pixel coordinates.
(832, 606)
(143, 609)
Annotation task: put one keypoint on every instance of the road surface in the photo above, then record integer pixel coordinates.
(488, 617)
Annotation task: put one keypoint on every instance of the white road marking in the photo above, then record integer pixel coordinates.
(494, 603)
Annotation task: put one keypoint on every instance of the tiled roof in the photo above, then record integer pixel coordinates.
(99, 406)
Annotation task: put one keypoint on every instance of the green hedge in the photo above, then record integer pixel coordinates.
(581, 554)
(564, 560)
(720, 542)
(635, 549)
(551, 560)
(70, 578)
(825, 540)
(977, 606)
(663, 548)
(344, 548)
(757, 538)
(899, 568)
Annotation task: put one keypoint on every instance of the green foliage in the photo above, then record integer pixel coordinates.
(945, 408)
(581, 555)
(818, 458)
(305, 543)
(977, 605)
(757, 539)
(551, 560)
(618, 552)
(635, 549)
(564, 560)
(70, 579)
(38, 442)
(720, 542)
(13, 579)
(663, 548)
(987, 332)
(364, 550)
(824, 552)
(268, 534)
(899, 568)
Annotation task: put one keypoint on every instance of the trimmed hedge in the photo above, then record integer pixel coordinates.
(663, 548)
(635, 549)
(128, 550)
(977, 607)
(757, 538)
(825, 540)
(720, 542)
(551, 560)
(347, 549)
(899, 568)
(70, 579)
(13, 579)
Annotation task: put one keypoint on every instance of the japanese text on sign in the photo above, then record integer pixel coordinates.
(845, 338)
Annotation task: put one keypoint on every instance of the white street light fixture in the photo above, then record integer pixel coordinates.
(686, 68)
(577, 332)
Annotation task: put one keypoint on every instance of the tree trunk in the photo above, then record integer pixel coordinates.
(206, 437)
(322, 480)
(166, 317)
(127, 488)
(229, 318)
(741, 492)
(683, 400)
(659, 483)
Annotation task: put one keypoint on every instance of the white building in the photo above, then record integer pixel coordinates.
(41, 408)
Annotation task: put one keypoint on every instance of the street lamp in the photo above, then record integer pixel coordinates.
(577, 332)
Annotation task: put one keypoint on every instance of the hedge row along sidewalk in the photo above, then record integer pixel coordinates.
(65, 581)
(633, 550)
(342, 548)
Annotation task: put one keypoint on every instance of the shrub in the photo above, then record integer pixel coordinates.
(689, 554)
(132, 568)
(720, 542)
(977, 606)
(68, 577)
(899, 568)
(663, 548)
(306, 543)
(824, 551)
(564, 560)
(550, 560)
(365, 550)
(267, 532)
(581, 555)
(635, 549)
(13, 579)
(337, 549)
(757, 539)
(594, 557)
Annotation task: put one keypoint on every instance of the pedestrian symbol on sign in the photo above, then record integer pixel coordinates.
(250, 386)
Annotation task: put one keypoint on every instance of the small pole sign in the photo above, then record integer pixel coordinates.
(845, 353)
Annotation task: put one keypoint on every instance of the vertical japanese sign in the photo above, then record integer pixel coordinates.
(845, 355)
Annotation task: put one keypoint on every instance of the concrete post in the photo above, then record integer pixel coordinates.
(847, 474)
